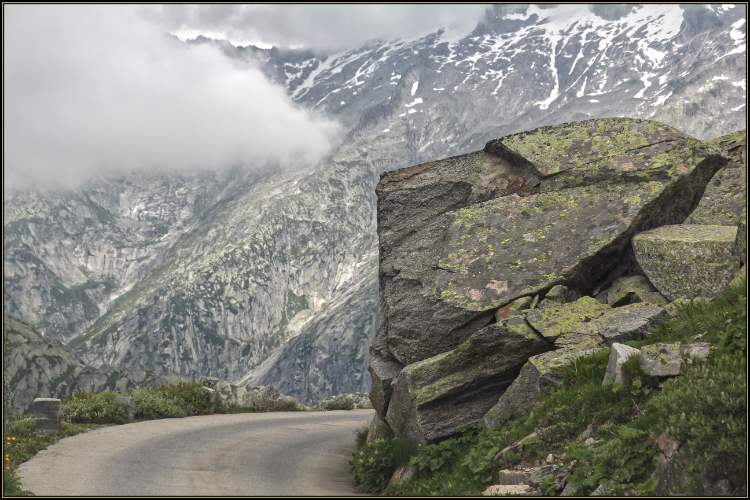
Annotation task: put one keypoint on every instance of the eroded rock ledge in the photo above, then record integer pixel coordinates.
(518, 258)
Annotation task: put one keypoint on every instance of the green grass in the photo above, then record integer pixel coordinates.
(23, 444)
(705, 407)
(84, 411)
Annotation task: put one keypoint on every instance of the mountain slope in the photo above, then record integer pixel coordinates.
(270, 276)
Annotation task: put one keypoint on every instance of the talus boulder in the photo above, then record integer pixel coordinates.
(663, 253)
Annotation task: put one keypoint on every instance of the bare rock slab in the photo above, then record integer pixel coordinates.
(576, 317)
(587, 317)
(663, 253)
(631, 322)
(433, 397)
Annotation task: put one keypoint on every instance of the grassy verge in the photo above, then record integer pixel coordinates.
(705, 407)
(23, 444)
(85, 411)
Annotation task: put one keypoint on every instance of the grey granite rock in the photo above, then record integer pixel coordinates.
(617, 356)
(663, 253)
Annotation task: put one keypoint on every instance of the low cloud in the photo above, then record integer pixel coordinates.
(323, 27)
(93, 87)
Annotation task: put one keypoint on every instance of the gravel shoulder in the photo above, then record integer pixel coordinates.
(279, 453)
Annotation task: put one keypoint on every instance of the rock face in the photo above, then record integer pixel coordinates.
(39, 367)
(663, 252)
(548, 214)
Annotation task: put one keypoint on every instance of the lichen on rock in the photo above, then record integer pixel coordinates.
(663, 252)
(725, 198)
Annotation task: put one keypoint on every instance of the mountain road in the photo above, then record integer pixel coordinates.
(277, 453)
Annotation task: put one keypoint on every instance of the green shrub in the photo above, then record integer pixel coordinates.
(629, 459)
(23, 425)
(456, 483)
(88, 408)
(338, 403)
(376, 462)
(707, 411)
(195, 399)
(236, 408)
(361, 435)
(150, 405)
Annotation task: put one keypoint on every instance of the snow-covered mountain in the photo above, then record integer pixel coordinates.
(270, 277)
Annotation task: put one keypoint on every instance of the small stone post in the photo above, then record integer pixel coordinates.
(212, 392)
(47, 413)
(7, 407)
(131, 406)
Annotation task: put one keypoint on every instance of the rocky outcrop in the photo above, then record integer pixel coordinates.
(457, 254)
(663, 252)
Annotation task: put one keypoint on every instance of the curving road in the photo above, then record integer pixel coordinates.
(281, 453)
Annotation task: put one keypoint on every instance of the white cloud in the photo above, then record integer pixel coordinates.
(90, 87)
(319, 26)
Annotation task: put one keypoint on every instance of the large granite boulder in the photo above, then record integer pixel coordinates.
(726, 195)
(463, 237)
(663, 253)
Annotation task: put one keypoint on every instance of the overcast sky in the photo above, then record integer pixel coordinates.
(92, 87)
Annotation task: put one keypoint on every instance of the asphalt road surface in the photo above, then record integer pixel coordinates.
(279, 453)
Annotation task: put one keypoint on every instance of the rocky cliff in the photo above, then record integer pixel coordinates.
(270, 276)
(498, 267)
(39, 367)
